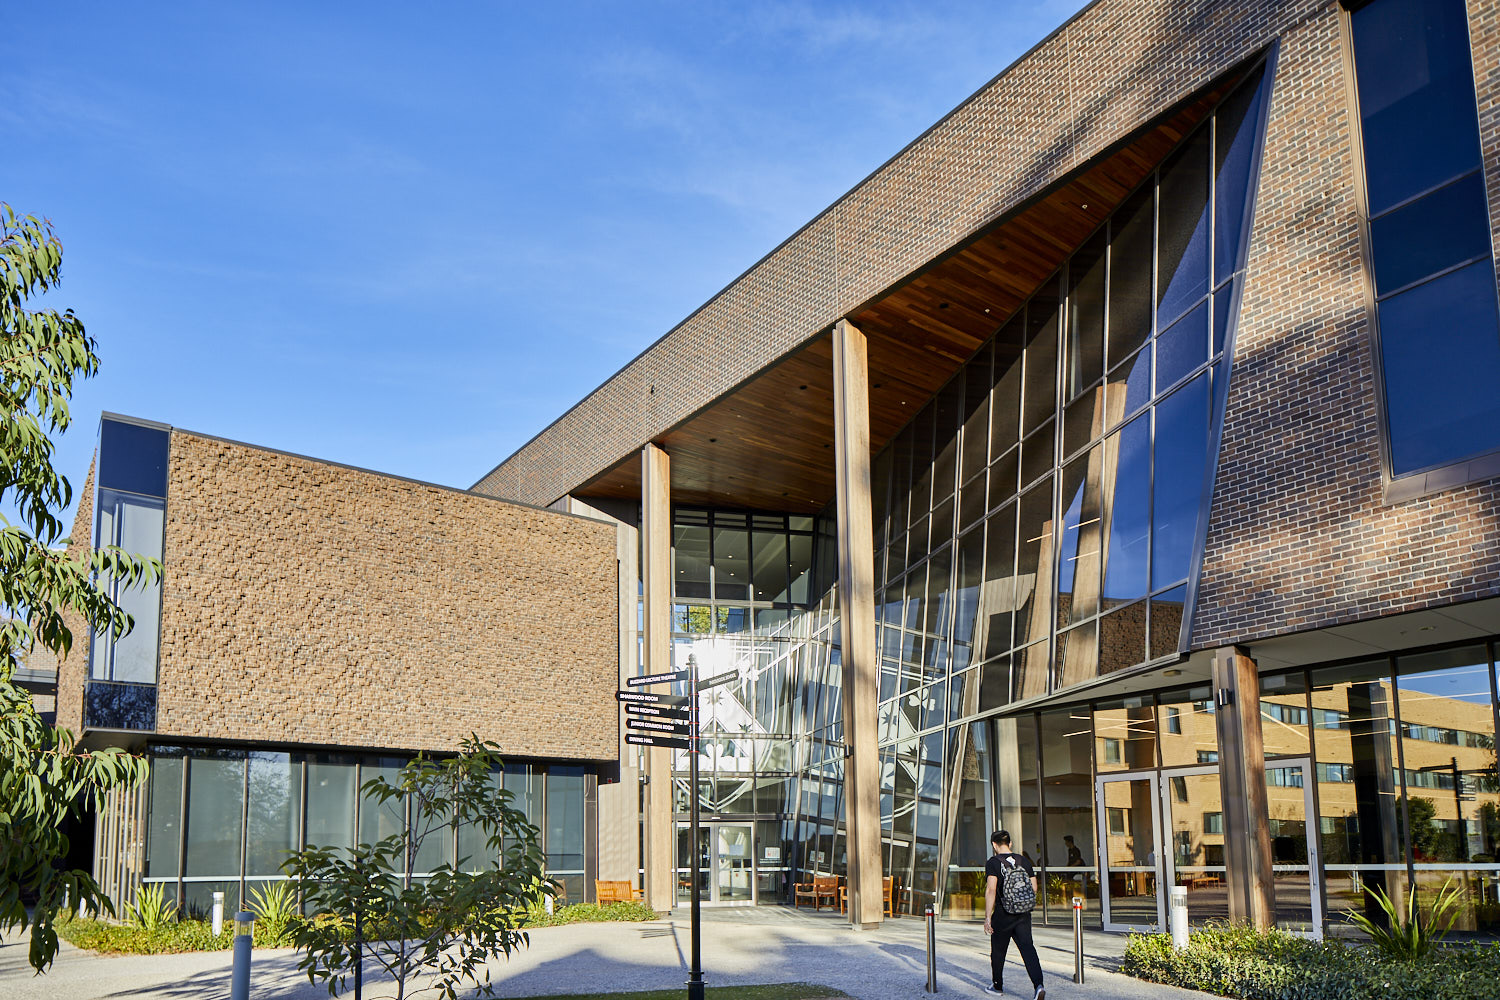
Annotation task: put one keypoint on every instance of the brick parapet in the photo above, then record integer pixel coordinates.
(311, 603)
(1116, 65)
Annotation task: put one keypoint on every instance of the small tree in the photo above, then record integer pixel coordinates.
(43, 781)
(445, 928)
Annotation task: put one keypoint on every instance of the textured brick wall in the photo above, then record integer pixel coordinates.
(72, 669)
(1300, 536)
(311, 603)
(1105, 73)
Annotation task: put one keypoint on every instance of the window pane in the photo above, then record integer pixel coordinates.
(970, 577)
(1130, 513)
(1416, 96)
(1166, 621)
(564, 846)
(1122, 638)
(690, 550)
(216, 789)
(1182, 348)
(977, 384)
(1126, 734)
(731, 564)
(801, 554)
(164, 826)
(998, 596)
(1085, 356)
(1182, 241)
(1079, 544)
(378, 820)
(1444, 228)
(1283, 715)
(1187, 725)
(1068, 790)
(1034, 567)
(275, 803)
(133, 458)
(1005, 401)
(134, 523)
(945, 455)
(1130, 277)
(1440, 352)
(330, 801)
(1038, 455)
(1041, 360)
(1077, 655)
(770, 567)
(1181, 457)
(1236, 128)
(1003, 477)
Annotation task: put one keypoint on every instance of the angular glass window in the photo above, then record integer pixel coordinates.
(1129, 514)
(1005, 401)
(1079, 544)
(1130, 276)
(976, 435)
(1085, 348)
(1040, 400)
(999, 595)
(1440, 355)
(1036, 548)
(1236, 135)
(1182, 239)
(1181, 458)
(1182, 348)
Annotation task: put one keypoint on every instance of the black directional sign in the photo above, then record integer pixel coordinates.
(652, 725)
(675, 675)
(658, 712)
(726, 677)
(647, 698)
(652, 740)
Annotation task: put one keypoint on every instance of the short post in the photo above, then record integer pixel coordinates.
(1078, 939)
(244, 935)
(931, 950)
(1179, 916)
(218, 914)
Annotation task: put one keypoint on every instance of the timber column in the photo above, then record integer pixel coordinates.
(1242, 783)
(656, 589)
(856, 546)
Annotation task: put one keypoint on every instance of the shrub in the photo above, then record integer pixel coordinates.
(1405, 935)
(151, 909)
(1239, 962)
(275, 908)
(589, 913)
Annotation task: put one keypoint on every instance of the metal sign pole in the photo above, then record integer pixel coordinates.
(695, 972)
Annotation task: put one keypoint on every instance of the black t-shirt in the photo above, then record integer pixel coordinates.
(995, 868)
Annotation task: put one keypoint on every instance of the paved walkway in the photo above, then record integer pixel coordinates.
(739, 946)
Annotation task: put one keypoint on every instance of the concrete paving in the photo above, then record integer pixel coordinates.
(739, 946)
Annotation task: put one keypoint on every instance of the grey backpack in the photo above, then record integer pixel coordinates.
(1016, 892)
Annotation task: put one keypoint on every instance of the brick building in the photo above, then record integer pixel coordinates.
(1116, 465)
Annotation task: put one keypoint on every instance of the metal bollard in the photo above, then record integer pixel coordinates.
(218, 914)
(244, 935)
(931, 950)
(1179, 916)
(1078, 939)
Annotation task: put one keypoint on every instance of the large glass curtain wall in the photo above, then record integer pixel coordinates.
(1038, 521)
(225, 819)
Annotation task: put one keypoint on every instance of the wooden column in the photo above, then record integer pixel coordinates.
(656, 589)
(1242, 783)
(861, 669)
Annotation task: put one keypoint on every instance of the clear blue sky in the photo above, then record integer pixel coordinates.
(409, 236)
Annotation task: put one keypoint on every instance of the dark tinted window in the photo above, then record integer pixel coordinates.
(1416, 96)
(1441, 357)
(1130, 513)
(1182, 251)
(1181, 454)
(1235, 130)
(1430, 234)
(132, 458)
(1130, 277)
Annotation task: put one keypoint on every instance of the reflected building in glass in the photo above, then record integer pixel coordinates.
(1114, 466)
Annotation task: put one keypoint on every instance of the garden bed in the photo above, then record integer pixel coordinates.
(1238, 962)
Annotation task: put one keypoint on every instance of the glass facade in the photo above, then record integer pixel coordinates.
(1428, 231)
(129, 512)
(223, 819)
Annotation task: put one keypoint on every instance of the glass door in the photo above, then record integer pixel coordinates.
(1294, 855)
(1194, 811)
(1129, 893)
(734, 876)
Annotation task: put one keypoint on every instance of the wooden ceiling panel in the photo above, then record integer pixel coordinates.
(768, 445)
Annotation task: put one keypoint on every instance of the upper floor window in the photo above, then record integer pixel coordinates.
(1429, 232)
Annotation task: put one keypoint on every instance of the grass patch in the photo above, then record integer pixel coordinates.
(774, 991)
(1242, 963)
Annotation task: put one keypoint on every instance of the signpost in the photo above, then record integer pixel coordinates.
(670, 720)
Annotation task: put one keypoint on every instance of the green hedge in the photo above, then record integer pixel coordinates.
(1239, 962)
(590, 913)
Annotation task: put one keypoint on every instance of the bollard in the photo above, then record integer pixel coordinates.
(244, 935)
(1078, 939)
(1179, 916)
(218, 914)
(931, 950)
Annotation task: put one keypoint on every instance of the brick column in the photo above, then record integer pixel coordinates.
(656, 579)
(856, 547)
(1242, 783)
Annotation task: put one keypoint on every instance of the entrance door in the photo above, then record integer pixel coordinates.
(734, 877)
(1129, 886)
(1294, 853)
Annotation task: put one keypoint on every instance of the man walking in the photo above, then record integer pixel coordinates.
(1009, 895)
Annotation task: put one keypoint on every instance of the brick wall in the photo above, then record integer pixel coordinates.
(1300, 536)
(312, 603)
(1116, 65)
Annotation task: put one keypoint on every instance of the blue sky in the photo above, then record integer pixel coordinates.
(408, 237)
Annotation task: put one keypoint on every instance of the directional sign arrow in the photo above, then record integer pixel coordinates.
(647, 698)
(657, 712)
(651, 725)
(643, 740)
(676, 675)
(726, 677)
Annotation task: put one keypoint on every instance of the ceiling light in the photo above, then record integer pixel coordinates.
(1173, 672)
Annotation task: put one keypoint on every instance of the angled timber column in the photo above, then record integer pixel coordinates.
(1242, 782)
(656, 586)
(856, 545)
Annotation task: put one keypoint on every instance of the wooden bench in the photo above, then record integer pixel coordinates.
(820, 888)
(616, 891)
(887, 892)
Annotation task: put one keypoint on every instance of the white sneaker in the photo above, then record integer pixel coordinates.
(1041, 993)
(992, 988)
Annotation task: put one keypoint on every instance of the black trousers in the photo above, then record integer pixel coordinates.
(1017, 927)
